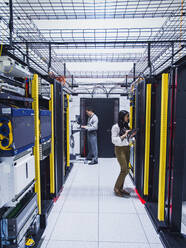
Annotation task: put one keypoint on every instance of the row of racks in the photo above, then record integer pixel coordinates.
(34, 151)
(157, 159)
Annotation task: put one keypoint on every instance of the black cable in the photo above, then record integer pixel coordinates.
(72, 141)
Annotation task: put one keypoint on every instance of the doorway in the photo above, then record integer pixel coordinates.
(107, 111)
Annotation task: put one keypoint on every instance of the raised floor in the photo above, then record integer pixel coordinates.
(89, 215)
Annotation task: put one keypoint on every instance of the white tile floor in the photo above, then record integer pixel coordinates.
(88, 215)
(183, 228)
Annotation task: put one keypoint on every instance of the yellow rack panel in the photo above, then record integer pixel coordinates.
(35, 107)
(131, 117)
(147, 139)
(68, 132)
(52, 169)
(163, 147)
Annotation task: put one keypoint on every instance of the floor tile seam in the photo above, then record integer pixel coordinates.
(105, 241)
(118, 213)
(140, 221)
(91, 241)
(143, 228)
(68, 193)
(121, 242)
(67, 240)
(73, 212)
(100, 212)
(62, 207)
(135, 205)
(75, 240)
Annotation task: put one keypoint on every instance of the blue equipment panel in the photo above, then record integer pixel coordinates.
(16, 130)
(45, 125)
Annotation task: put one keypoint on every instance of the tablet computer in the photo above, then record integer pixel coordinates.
(132, 132)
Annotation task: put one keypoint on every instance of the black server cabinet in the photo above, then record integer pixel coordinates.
(152, 198)
(65, 136)
(153, 183)
(174, 153)
(176, 165)
(140, 137)
(67, 164)
(175, 190)
(107, 111)
(155, 140)
(45, 131)
(140, 124)
(132, 98)
(46, 197)
(58, 137)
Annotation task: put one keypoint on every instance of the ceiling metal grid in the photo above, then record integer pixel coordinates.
(101, 74)
(40, 55)
(101, 38)
(99, 57)
(26, 30)
(96, 9)
(159, 56)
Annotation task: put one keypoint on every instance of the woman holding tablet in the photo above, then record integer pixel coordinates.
(120, 139)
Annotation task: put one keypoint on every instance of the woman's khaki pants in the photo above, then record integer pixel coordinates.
(123, 156)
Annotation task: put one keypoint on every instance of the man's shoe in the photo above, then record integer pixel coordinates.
(88, 158)
(93, 162)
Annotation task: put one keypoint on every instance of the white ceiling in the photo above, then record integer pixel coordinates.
(95, 24)
(100, 23)
(99, 66)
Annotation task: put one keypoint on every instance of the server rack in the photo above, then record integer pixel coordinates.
(58, 137)
(67, 164)
(148, 148)
(140, 137)
(45, 143)
(48, 152)
(175, 165)
(163, 183)
(17, 117)
(132, 125)
(152, 180)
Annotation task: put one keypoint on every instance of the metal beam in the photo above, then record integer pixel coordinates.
(50, 57)
(27, 55)
(65, 70)
(149, 58)
(72, 84)
(100, 42)
(103, 57)
(86, 93)
(105, 83)
(134, 71)
(172, 61)
(101, 74)
(11, 21)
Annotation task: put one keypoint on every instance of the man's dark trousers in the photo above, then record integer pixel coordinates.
(92, 146)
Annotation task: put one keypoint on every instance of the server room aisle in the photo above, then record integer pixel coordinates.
(88, 215)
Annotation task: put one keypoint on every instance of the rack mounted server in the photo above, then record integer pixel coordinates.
(13, 68)
(45, 133)
(16, 130)
(15, 222)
